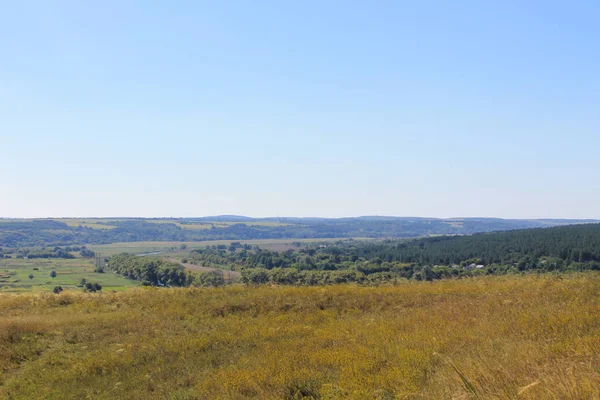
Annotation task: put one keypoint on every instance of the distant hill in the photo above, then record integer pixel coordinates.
(68, 231)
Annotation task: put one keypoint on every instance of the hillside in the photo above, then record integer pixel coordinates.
(71, 231)
(501, 337)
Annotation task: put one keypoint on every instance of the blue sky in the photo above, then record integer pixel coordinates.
(312, 108)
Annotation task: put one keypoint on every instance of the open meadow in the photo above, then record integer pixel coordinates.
(23, 275)
(507, 337)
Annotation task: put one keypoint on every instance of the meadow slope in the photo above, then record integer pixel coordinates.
(490, 337)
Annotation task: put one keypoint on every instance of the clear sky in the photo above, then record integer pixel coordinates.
(300, 108)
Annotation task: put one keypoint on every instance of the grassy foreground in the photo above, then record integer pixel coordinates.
(496, 337)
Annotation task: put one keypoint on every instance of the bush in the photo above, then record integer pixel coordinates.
(93, 287)
(52, 274)
(255, 276)
(212, 278)
(87, 253)
(57, 289)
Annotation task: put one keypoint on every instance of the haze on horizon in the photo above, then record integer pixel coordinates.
(303, 110)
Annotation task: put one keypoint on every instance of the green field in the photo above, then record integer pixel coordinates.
(14, 275)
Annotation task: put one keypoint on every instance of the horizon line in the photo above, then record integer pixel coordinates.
(303, 217)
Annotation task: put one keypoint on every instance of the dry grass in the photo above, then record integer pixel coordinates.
(487, 338)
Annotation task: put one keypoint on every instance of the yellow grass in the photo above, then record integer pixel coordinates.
(488, 338)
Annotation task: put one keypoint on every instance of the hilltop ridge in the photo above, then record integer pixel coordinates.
(68, 231)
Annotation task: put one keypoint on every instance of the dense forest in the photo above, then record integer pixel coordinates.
(50, 233)
(568, 248)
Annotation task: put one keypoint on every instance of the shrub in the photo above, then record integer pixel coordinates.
(87, 253)
(255, 276)
(212, 278)
(93, 287)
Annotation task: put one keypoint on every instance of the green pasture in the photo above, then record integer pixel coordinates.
(14, 275)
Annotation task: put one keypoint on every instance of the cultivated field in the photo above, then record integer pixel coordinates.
(14, 275)
(512, 337)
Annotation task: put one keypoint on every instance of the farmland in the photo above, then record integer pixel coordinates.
(490, 337)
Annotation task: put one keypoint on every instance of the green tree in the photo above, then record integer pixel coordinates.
(52, 274)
